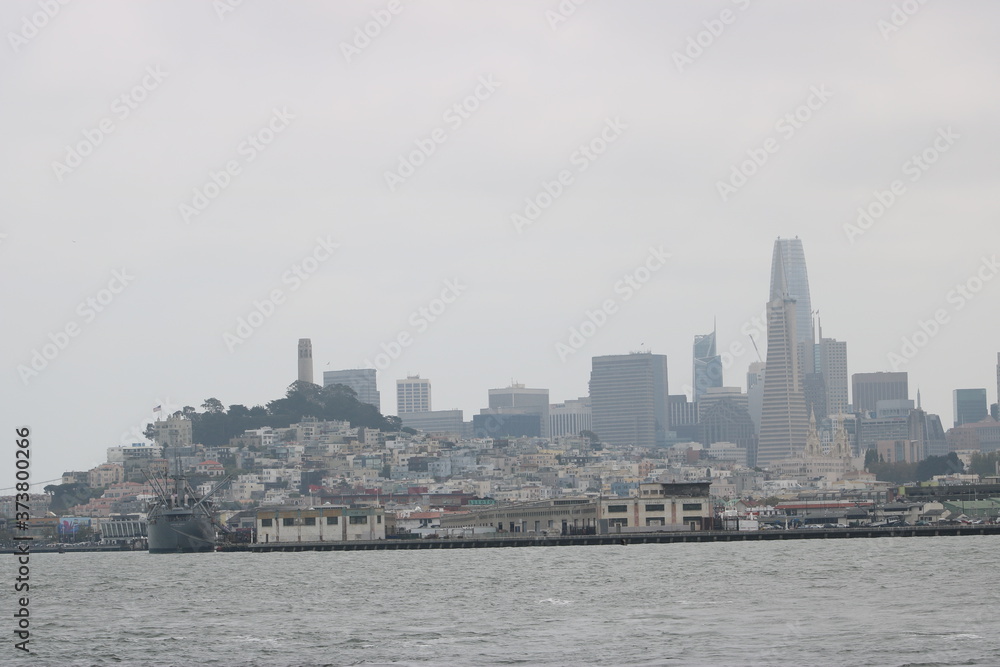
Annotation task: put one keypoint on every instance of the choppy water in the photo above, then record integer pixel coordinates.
(887, 601)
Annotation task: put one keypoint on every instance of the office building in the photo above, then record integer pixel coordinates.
(755, 392)
(628, 398)
(707, 370)
(438, 421)
(682, 415)
(361, 380)
(727, 420)
(867, 389)
(570, 418)
(833, 365)
(784, 421)
(520, 400)
(790, 279)
(413, 395)
(969, 405)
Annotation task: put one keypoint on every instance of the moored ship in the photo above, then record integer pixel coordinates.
(179, 521)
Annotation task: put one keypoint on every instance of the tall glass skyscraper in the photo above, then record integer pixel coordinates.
(707, 370)
(789, 278)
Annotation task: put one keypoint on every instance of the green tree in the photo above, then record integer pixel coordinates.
(939, 465)
(984, 464)
(213, 405)
(871, 457)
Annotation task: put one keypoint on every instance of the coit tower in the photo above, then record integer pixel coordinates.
(305, 360)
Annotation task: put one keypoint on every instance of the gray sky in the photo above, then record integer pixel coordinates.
(116, 113)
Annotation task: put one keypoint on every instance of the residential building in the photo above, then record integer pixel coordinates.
(413, 395)
(173, 432)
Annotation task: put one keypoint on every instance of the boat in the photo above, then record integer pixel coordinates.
(180, 522)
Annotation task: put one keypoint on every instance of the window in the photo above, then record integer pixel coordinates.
(618, 522)
(265, 523)
(309, 521)
(657, 521)
(380, 518)
(358, 519)
(288, 522)
(617, 508)
(654, 508)
(691, 507)
(331, 521)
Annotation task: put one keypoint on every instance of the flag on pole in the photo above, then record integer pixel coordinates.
(157, 408)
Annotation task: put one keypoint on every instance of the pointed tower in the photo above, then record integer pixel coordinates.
(814, 447)
(784, 422)
(841, 444)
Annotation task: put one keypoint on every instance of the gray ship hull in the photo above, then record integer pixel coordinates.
(180, 531)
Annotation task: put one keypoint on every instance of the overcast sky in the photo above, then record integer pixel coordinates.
(177, 162)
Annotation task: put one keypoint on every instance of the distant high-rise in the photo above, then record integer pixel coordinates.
(867, 389)
(833, 365)
(413, 395)
(789, 279)
(755, 391)
(628, 395)
(305, 360)
(707, 370)
(520, 400)
(784, 421)
(570, 418)
(970, 406)
(361, 380)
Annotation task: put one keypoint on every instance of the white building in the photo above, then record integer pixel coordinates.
(319, 524)
(413, 395)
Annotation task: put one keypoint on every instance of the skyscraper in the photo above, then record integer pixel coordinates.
(628, 396)
(361, 380)
(790, 279)
(784, 421)
(413, 395)
(305, 360)
(707, 370)
(755, 392)
(867, 389)
(833, 365)
(970, 406)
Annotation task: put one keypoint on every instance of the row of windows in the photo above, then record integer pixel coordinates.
(311, 521)
(687, 507)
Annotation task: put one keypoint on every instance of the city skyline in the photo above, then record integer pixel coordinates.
(477, 196)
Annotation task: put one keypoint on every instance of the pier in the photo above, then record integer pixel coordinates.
(516, 540)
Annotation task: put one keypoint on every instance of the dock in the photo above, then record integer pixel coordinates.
(623, 539)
